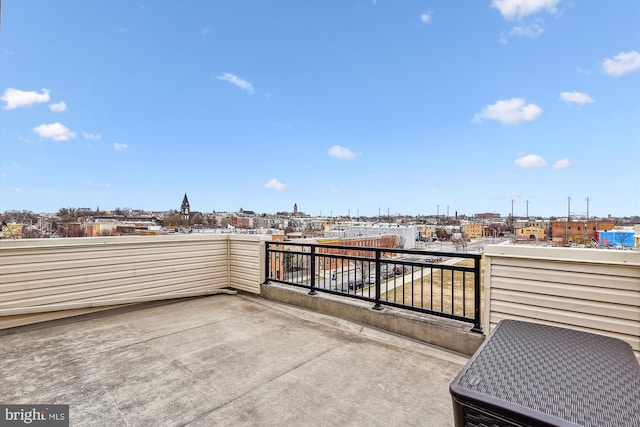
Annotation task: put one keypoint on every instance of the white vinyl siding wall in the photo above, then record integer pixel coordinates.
(70, 276)
(593, 290)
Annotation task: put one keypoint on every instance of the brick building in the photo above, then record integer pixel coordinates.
(567, 232)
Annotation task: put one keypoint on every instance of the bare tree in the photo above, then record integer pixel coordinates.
(172, 220)
(197, 219)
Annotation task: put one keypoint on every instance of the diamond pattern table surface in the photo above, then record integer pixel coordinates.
(560, 376)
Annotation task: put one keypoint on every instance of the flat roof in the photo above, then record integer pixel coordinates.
(226, 360)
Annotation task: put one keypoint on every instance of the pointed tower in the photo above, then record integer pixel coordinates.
(185, 211)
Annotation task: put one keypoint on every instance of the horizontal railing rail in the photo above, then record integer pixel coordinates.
(439, 283)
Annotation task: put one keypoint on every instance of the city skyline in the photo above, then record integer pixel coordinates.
(446, 212)
(356, 108)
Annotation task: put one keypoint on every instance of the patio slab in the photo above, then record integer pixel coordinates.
(226, 360)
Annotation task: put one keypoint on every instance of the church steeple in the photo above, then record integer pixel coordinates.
(185, 211)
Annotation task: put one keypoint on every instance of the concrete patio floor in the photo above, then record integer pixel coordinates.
(227, 360)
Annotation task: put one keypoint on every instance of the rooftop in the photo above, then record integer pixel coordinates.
(226, 360)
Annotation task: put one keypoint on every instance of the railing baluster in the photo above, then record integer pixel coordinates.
(476, 297)
(377, 298)
(312, 254)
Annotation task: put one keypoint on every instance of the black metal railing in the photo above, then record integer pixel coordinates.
(440, 283)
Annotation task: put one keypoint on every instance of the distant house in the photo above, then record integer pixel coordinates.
(11, 231)
(530, 233)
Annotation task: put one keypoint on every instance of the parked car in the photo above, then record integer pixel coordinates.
(356, 284)
(398, 269)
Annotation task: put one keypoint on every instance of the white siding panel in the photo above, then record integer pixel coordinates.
(592, 290)
(620, 311)
(617, 278)
(52, 278)
(569, 291)
(246, 263)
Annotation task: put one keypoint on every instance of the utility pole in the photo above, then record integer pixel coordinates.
(586, 223)
(513, 223)
(447, 211)
(566, 227)
(527, 202)
(588, 200)
(437, 210)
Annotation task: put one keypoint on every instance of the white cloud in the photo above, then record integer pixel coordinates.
(581, 70)
(58, 108)
(518, 9)
(622, 63)
(105, 185)
(436, 190)
(576, 97)
(55, 131)
(23, 139)
(15, 98)
(562, 164)
(531, 31)
(205, 31)
(425, 17)
(342, 153)
(16, 189)
(120, 147)
(235, 80)
(510, 111)
(336, 190)
(87, 135)
(530, 161)
(274, 184)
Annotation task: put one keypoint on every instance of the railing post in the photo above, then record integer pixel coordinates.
(313, 270)
(476, 296)
(266, 263)
(377, 297)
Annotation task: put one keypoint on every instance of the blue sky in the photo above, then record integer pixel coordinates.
(340, 106)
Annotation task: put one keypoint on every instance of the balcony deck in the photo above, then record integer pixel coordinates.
(226, 360)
